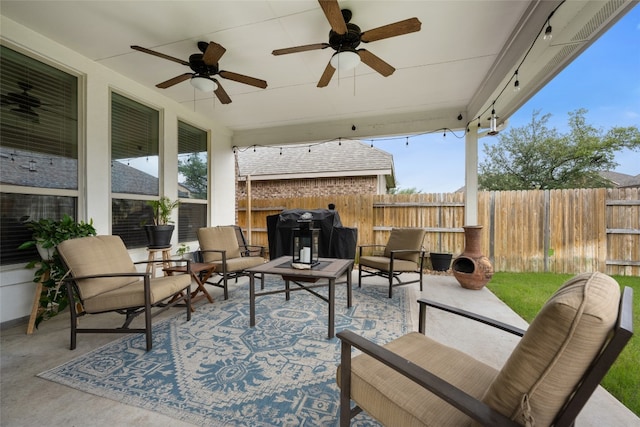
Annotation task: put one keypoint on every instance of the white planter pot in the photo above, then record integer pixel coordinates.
(45, 253)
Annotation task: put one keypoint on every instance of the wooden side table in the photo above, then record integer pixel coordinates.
(200, 273)
(165, 256)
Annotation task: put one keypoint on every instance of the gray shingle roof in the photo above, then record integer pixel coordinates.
(621, 179)
(334, 158)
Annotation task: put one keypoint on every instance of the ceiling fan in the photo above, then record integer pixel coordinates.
(345, 37)
(204, 66)
(23, 101)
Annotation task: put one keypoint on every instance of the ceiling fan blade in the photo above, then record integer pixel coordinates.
(221, 93)
(304, 48)
(158, 54)
(174, 81)
(213, 53)
(326, 76)
(332, 11)
(243, 79)
(375, 62)
(407, 26)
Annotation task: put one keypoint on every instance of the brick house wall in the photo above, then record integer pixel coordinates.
(285, 188)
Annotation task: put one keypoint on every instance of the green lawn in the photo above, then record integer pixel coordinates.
(525, 293)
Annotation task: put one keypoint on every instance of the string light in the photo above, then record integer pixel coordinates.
(407, 142)
(516, 85)
(548, 32)
(493, 129)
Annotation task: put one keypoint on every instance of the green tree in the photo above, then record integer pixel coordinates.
(398, 190)
(194, 170)
(535, 156)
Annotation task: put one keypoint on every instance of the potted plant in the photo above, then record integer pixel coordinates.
(159, 234)
(47, 234)
(183, 251)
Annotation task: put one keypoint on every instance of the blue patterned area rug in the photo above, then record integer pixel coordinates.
(217, 371)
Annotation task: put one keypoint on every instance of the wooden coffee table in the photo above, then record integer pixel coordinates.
(328, 271)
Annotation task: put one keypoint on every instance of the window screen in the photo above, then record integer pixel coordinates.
(193, 177)
(38, 148)
(134, 147)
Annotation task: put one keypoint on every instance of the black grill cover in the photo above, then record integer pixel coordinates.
(336, 241)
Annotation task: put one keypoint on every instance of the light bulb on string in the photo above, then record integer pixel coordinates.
(548, 32)
(516, 84)
(493, 130)
(407, 142)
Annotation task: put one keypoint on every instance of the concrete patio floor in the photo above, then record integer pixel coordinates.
(28, 400)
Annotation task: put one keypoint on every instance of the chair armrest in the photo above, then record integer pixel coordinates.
(469, 315)
(466, 403)
(249, 248)
(368, 246)
(221, 251)
(406, 251)
(97, 276)
(158, 261)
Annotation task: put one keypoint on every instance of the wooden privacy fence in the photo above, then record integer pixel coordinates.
(561, 231)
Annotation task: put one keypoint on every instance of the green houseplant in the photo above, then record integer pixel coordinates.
(159, 234)
(46, 234)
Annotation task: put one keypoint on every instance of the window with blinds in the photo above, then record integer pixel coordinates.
(193, 181)
(38, 124)
(38, 148)
(134, 147)
(191, 216)
(193, 176)
(135, 162)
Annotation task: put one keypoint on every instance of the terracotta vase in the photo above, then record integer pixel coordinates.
(472, 269)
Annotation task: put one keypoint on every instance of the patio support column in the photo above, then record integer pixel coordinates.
(471, 177)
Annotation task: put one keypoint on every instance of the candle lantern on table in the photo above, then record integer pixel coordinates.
(305, 242)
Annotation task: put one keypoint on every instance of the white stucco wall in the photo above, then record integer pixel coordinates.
(16, 288)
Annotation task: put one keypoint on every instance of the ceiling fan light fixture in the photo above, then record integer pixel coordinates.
(345, 60)
(204, 84)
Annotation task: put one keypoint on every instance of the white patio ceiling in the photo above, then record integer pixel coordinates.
(461, 61)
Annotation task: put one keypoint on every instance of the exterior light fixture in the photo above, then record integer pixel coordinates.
(548, 35)
(305, 243)
(204, 84)
(494, 124)
(345, 60)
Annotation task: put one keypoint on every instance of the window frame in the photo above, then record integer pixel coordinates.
(131, 196)
(204, 201)
(80, 191)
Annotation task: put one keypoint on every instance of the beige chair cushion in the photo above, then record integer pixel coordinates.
(132, 295)
(239, 264)
(383, 263)
(219, 238)
(404, 403)
(405, 238)
(97, 255)
(557, 348)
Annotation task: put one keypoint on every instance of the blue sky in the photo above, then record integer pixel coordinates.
(605, 80)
